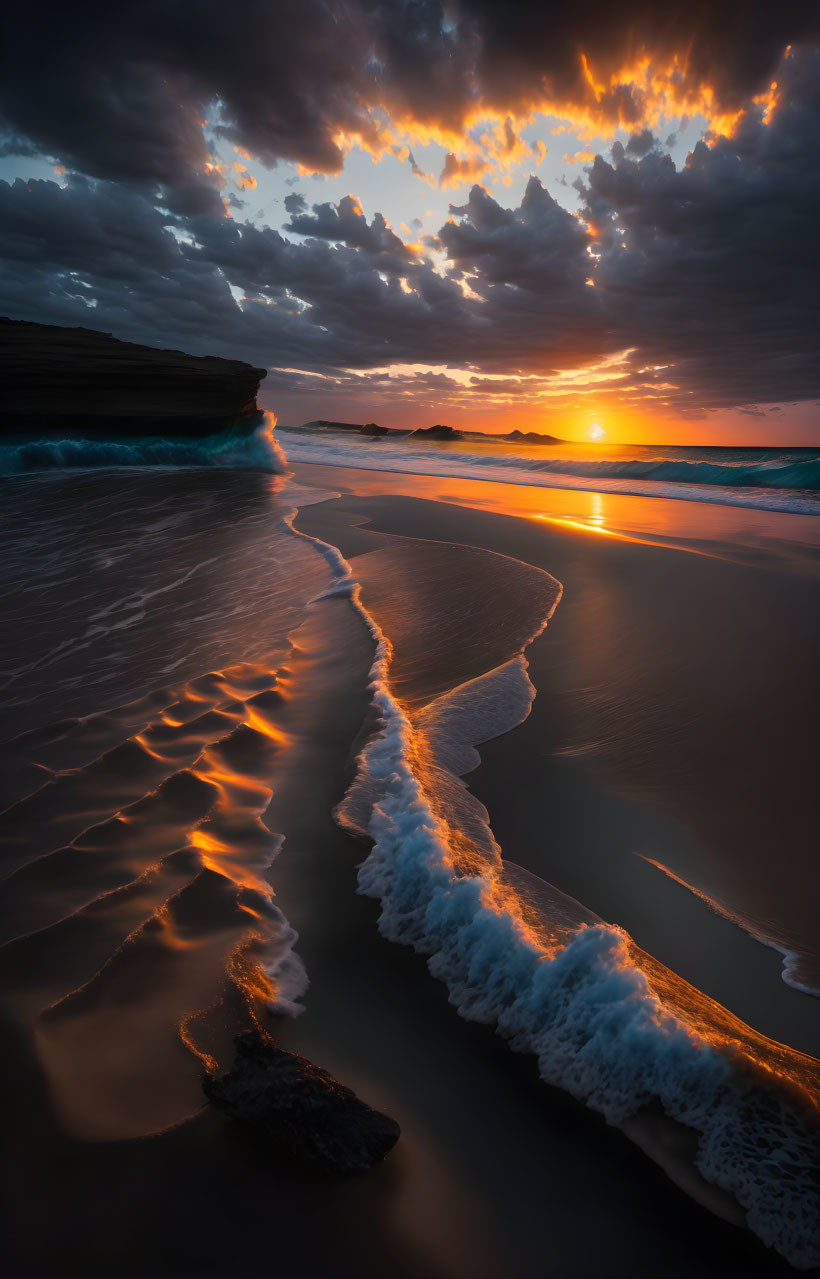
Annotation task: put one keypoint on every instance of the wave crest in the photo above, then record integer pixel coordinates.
(776, 484)
(605, 1021)
(234, 448)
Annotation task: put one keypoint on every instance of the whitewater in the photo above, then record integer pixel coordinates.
(769, 480)
(233, 448)
(605, 1021)
(759, 479)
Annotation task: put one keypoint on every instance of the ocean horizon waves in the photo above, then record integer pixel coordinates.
(764, 479)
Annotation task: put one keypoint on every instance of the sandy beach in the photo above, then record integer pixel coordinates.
(496, 1173)
(634, 748)
(410, 590)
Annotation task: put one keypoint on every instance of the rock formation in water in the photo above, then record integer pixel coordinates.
(373, 428)
(89, 384)
(531, 437)
(437, 432)
(301, 1107)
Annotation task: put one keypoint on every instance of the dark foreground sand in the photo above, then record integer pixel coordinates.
(495, 1175)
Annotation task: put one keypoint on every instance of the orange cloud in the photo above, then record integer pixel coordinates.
(462, 169)
(486, 143)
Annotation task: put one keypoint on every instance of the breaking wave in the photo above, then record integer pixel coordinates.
(781, 473)
(787, 482)
(606, 1022)
(234, 448)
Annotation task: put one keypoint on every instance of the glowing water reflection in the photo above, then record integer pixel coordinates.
(729, 532)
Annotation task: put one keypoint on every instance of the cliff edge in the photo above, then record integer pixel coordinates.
(58, 379)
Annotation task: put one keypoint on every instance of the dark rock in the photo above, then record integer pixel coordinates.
(91, 384)
(301, 1107)
(373, 428)
(437, 433)
(531, 437)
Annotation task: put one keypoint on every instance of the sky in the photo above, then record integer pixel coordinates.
(534, 215)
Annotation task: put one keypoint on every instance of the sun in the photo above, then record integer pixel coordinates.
(596, 432)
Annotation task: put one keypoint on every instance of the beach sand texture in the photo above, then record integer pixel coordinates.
(183, 838)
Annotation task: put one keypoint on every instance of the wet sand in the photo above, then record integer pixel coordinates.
(670, 723)
(495, 1174)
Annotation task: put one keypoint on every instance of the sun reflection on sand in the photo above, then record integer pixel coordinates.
(725, 531)
(595, 525)
(444, 890)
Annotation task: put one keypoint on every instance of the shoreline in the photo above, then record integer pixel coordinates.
(495, 1174)
(440, 461)
(729, 959)
(664, 1139)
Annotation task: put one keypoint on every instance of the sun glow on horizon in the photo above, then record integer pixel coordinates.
(596, 432)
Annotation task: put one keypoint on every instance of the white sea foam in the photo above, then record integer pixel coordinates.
(235, 448)
(284, 967)
(767, 488)
(570, 992)
(476, 712)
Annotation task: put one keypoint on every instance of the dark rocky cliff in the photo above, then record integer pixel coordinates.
(58, 379)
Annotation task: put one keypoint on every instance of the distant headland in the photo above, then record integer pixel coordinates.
(437, 432)
(92, 384)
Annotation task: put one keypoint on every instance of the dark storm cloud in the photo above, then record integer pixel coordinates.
(295, 203)
(641, 143)
(119, 91)
(708, 274)
(720, 273)
(733, 46)
(102, 255)
(316, 305)
(539, 247)
(345, 223)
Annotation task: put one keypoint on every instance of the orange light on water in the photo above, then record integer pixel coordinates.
(595, 527)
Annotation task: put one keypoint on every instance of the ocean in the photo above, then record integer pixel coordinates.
(774, 479)
(181, 624)
(766, 479)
